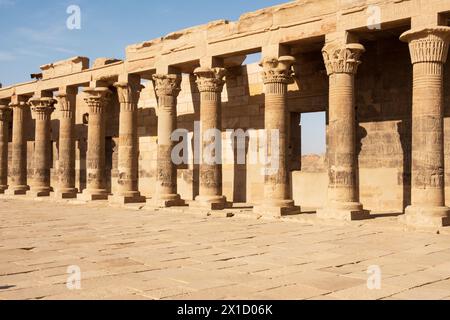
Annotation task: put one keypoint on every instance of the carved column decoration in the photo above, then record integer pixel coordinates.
(66, 160)
(167, 90)
(18, 171)
(4, 140)
(97, 100)
(128, 185)
(429, 50)
(277, 74)
(210, 82)
(42, 109)
(342, 61)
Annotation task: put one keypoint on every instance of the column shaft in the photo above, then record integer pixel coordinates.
(277, 74)
(18, 171)
(97, 100)
(342, 61)
(4, 140)
(210, 83)
(342, 140)
(66, 161)
(429, 50)
(167, 89)
(128, 162)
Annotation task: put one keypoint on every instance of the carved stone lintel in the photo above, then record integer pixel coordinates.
(97, 99)
(210, 79)
(167, 84)
(128, 92)
(428, 44)
(42, 107)
(278, 70)
(340, 58)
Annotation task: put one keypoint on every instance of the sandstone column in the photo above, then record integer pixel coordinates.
(66, 160)
(210, 82)
(429, 51)
(97, 100)
(167, 90)
(128, 190)
(277, 74)
(18, 171)
(4, 140)
(42, 109)
(342, 61)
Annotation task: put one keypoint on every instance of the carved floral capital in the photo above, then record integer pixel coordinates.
(42, 107)
(66, 107)
(97, 98)
(128, 92)
(340, 58)
(210, 79)
(278, 70)
(428, 44)
(167, 84)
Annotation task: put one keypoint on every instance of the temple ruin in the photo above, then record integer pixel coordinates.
(102, 131)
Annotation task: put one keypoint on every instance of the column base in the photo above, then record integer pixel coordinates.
(210, 202)
(39, 193)
(277, 208)
(167, 201)
(66, 193)
(427, 217)
(17, 190)
(129, 197)
(351, 211)
(3, 188)
(93, 195)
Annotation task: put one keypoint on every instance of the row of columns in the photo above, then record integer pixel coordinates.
(429, 50)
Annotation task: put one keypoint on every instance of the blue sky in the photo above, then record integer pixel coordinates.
(35, 33)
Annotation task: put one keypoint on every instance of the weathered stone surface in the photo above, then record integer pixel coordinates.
(64, 67)
(387, 114)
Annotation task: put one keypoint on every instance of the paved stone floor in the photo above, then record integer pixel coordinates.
(127, 253)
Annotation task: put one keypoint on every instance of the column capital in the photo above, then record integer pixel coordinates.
(167, 84)
(277, 70)
(210, 79)
(19, 105)
(66, 107)
(428, 44)
(97, 98)
(42, 107)
(128, 92)
(4, 112)
(342, 58)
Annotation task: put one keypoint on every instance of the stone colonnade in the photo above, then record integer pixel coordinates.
(429, 50)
